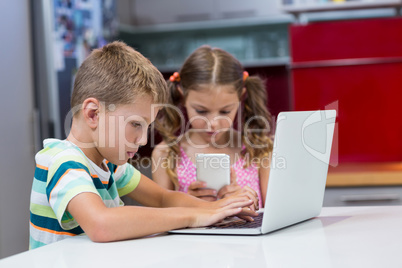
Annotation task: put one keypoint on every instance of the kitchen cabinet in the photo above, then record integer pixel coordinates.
(354, 66)
(327, 10)
(254, 42)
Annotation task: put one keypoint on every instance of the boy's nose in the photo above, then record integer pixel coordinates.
(143, 139)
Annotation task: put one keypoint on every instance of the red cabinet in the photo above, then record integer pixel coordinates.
(355, 66)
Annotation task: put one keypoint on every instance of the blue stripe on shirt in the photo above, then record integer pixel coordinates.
(52, 224)
(61, 171)
(41, 174)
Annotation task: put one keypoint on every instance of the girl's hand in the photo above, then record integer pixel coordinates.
(235, 189)
(198, 189)
(230, 206)
(230, 189)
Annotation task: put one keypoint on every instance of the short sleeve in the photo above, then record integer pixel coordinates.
(127, 178)
(65, 181)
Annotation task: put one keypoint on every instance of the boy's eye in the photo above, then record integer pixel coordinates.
(136, 125)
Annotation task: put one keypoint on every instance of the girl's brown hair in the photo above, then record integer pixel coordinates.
(214, 66)
(116, 74)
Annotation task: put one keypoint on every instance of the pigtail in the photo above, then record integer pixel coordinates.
(168, 124)
(257, 121)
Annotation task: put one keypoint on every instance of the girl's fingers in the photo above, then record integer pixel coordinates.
(198, 189)
(228, 190)
(196, 185)
(250, 193)
(203, 192)
(250, 190)
(255, 200)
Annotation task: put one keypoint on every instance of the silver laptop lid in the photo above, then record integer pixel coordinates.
(299, 167)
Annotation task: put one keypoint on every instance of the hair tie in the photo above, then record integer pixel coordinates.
(245, 76)
(175, 77)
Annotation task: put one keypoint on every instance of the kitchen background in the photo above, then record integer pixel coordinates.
(314, 54)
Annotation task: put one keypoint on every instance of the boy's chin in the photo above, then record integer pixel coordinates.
(119, 162)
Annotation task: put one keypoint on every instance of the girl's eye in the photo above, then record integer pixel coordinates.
(225, 112)
(201, 111)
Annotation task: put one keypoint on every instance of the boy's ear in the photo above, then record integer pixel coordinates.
(90, 111)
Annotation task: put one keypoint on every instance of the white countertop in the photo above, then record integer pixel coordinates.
(339, 237)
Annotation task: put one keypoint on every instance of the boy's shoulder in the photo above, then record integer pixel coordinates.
(59, 151)
(55, 146)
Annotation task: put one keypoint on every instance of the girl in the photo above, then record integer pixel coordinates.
(226, 112)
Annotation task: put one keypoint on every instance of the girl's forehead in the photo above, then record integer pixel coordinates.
(213, 97)
(213, 91)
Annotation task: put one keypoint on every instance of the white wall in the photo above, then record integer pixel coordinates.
(16, 141)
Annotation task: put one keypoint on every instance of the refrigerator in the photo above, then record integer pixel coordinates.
(64, 33)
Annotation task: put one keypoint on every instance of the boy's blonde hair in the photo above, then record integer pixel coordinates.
(117, 74)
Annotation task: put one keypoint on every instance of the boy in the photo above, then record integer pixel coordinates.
(78, 181)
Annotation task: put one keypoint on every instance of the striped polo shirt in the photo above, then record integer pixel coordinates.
(63, 171)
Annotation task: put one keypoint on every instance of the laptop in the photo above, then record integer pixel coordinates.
(298, 174)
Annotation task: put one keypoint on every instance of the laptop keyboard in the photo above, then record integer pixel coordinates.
(237, 223)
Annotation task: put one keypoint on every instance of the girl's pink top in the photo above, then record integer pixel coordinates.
(186, 174)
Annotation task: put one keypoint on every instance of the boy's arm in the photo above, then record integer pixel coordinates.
(150, 194)
(103, 224)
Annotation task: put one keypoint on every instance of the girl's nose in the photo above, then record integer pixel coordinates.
(214, 123)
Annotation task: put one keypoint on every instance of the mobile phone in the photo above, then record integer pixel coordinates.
(214, 169)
